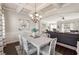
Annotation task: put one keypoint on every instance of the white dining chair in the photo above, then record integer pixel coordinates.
(50, 48)
(28, 47)
(21, 44)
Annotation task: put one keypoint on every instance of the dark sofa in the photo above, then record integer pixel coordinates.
(66, 38)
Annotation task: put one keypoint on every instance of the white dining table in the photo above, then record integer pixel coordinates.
(37, 42)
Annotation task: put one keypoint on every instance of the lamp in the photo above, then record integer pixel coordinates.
(35, 17)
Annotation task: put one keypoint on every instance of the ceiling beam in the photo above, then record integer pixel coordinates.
(9, 9)
(55, 5)
(19, 9)
(66, 4)
(52, 11)
(42, 6)
(23, 6)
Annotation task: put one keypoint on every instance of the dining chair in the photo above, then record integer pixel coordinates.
(21, 44)
(50, 48)
(28, 47)
(43, 34)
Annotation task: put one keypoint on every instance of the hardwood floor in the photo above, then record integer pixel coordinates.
(11, 50)
(65, 51)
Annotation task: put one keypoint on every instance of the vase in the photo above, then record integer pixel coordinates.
(33, 34)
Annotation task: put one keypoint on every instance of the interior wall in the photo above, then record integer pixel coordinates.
(68, 18)
(11, 25)
(75, 23)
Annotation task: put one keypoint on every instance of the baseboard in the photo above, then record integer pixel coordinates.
(11, 42)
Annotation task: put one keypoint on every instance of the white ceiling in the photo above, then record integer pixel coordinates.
(40, 7)
(45, 9)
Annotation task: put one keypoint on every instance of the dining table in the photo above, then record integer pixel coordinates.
(38, 42)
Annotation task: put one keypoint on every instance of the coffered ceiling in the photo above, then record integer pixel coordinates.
(45, 9)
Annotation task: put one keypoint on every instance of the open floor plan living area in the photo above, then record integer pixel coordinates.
(39, 28)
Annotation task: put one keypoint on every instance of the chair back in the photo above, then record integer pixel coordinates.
(25, 43)
(52, 46)
(20, 40)
(44, 35)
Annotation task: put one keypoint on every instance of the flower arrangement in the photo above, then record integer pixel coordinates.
(34, 30)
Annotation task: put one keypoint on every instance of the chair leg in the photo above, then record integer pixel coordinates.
(21, 50)
(52, 52)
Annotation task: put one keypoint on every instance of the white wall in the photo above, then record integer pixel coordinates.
(73, 24)
(58, 18)
(11, 25)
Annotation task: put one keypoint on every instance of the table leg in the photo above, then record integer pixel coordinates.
(38, 51)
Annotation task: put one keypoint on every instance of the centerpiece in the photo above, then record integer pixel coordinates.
(34, 30)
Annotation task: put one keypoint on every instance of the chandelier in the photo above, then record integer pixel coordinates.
(35, 17)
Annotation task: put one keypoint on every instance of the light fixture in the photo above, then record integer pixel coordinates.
(35, 17)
